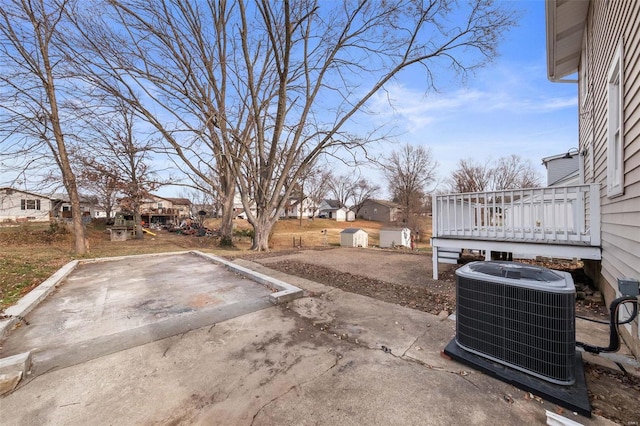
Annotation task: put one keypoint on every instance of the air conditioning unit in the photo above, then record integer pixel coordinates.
(518, 315)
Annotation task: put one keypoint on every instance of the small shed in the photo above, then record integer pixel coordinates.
(344, 214)
(354, 237)
(395, 237)
(350, 215)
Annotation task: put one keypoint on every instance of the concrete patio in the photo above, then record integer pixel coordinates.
(217, 350)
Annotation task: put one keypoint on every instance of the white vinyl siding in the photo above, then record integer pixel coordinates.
(615, 135)
(17, 205)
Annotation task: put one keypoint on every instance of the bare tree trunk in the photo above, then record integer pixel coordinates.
(226, 221)
(262, 230)
(80, 242)
(137, 223)
(69, 178)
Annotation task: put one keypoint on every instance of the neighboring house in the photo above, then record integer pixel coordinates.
(380, 211)
(331, 209)
(23, 206)
(596, 219)
(238, 208)
(101, 213)
(88, 206)
(563, 169)
(296, 208)
(18, 205)
(164, 210)
(354, 237)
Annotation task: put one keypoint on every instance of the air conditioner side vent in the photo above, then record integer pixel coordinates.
(526, 325)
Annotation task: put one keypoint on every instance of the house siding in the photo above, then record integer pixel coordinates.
(309, 209)
(560, 168)
(11, 208)
(607, 24)
(376, 211)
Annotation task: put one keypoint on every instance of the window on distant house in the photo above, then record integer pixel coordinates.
(159, 205)
(29, 204)
(615, 133)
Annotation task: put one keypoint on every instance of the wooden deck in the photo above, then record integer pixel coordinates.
(557, 222)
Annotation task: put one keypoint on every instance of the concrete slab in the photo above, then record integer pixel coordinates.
(107, 305)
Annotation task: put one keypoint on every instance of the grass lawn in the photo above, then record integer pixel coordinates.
(30, 253)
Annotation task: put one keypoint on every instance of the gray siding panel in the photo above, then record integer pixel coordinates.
(561, 168)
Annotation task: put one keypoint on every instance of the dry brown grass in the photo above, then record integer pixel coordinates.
(32, 252)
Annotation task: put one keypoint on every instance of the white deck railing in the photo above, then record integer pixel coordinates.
(553, 215)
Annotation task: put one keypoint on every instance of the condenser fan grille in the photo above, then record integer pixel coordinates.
(527, 328)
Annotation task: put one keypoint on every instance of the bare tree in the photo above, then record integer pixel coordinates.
(509, 172)
(116, 150)
(351, 190)
(362, 191)
(308, 55)
(174, 66)
(258, 90)
(99, 180)
(470, 176)
(514, 172)
(315, 185)
(341, 188)
(33, 81)
(409, 171)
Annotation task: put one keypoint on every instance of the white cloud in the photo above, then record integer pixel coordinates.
(412, 110)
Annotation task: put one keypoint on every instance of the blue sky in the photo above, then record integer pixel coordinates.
(508, 107)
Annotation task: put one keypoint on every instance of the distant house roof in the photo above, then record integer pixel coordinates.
(334, 204)
(65, 198)
(389, 204)
(57, 198)
(351, 230)
(180, 201)
(9, 190)
(294, 200)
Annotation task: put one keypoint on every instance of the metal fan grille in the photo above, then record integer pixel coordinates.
(527, 329)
